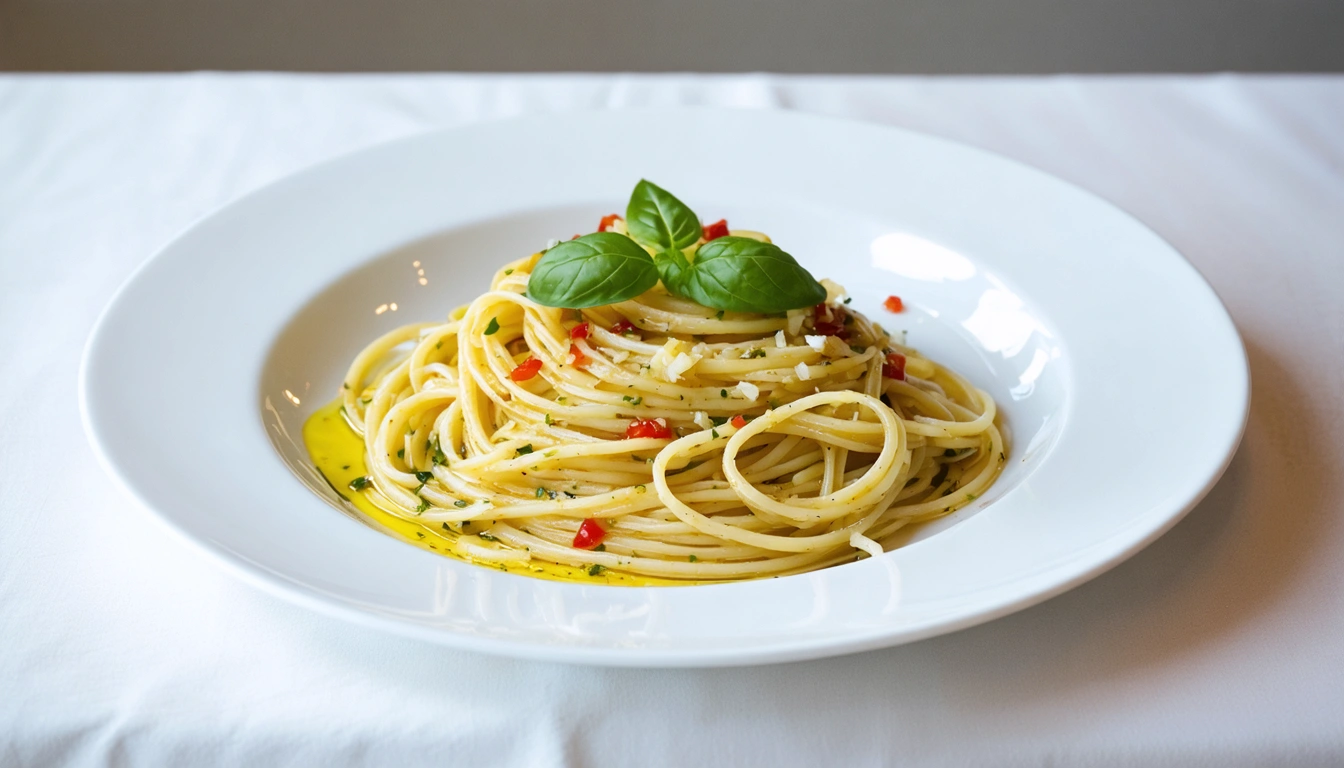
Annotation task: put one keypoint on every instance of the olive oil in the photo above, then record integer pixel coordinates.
(338, 453)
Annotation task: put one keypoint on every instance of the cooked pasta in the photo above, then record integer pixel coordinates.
(660, 438)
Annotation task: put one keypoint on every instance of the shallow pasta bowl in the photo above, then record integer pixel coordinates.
(1097, 340)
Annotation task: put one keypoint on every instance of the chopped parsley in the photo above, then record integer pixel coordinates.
(492, 327)
(401, 453)
(422, 506)
(359, 483)
(848, 299)
(718, 315)
(487, 536)
(541, 493)
(596, 570)
(459, 503)
(549, 420)
(693, 558)
(424, 477)
(526, 449)
(632, 400)
(723, 393)
(600, 548)
(508, 271)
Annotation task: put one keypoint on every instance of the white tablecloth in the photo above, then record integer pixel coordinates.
(1221, 644)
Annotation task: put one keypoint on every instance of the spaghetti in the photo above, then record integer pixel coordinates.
(660, 438)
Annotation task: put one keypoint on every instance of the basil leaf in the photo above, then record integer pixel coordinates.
(740, 274)
(655, 217)
(601, 268)
(672, 266)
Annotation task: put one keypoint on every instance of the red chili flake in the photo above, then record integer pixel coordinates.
(526, 369)
(834, 326)
(576, 237)
(893, 304)
(579, 331)
(580, 359)
(716, 230)
(590, 534)
(739, 421)
(648, 428)
(607, 221)
(894, 368)
(624, 327)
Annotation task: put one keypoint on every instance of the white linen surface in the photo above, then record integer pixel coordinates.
(1221, 644)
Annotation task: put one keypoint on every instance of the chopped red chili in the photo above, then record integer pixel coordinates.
(526, 369)
(894, 368)
(607, 221)
(624, 327)
(716, 230)
(580, 359)
(739, 421)
(834, 326)
(893, 304)
(590, 534)
(648, 428)
(576, 237)
(579, 331)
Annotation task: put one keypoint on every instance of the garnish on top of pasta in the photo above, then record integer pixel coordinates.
(661, 401)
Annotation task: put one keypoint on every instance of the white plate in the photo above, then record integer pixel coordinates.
(1121, 378)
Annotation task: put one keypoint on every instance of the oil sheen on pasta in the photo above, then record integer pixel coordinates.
(338, 453)
(707, 445)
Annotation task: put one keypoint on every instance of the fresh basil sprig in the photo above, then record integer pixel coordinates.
(596, 269)
(656, 217)
(740, 274)
(737, 274)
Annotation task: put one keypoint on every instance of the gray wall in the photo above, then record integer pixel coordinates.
(918, 36)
